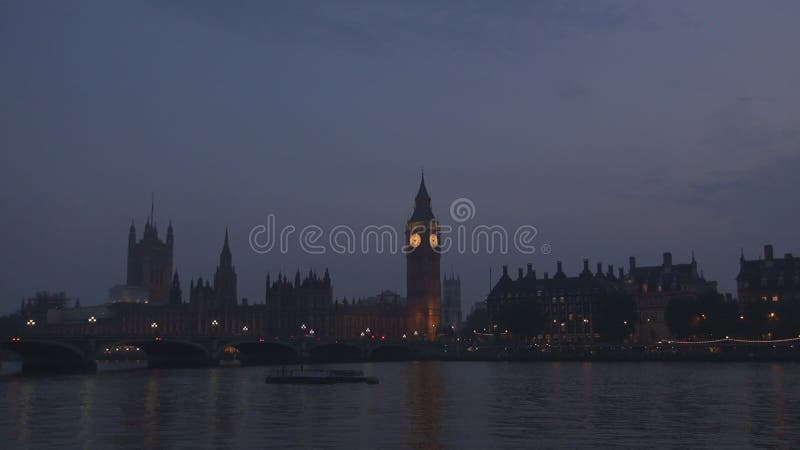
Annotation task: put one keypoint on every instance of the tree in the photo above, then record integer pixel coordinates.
(708, 316)
(521, 317)
(616, 316)
(681, 316)
(478, 319)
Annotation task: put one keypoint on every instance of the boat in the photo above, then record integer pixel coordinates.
(301, 376)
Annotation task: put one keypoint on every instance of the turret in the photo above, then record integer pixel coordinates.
(131, 237)
(170, 236)
(175, 292)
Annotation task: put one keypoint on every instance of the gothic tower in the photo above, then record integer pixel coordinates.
(150, 260)
(423, 283)
(225, 278)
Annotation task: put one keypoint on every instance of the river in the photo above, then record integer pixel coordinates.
(416, 405)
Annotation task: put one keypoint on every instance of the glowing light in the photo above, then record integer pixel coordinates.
(244, 328)
(312, 332)
(772, 315)
(362, 334)
(416, 333)
(214, 323)
(30, 323)
(368, 330)
(404, 336)
(92, 319)
(260, 340)
(303, 327)
(154, 325)
(741, 317)
(585, 320)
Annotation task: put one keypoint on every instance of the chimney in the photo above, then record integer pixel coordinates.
(768, 252)
(631, 263)
(530, 269)
(667, 259)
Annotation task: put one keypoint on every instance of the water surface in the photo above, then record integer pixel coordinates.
(417, 405)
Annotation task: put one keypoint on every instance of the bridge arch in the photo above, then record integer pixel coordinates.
(42, 355)
(390, 352)
(336, 352)
(169, 353)
(266, 352)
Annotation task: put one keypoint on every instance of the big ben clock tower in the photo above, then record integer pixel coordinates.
(423, 283)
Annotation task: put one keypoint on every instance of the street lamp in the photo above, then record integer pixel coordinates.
(154, 325)
(245, 329)
(30, 323)
(367, 330)
(214, 323)
(303, 327)
(311, 332)
(92, 319)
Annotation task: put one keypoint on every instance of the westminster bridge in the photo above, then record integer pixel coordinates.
(42, 352)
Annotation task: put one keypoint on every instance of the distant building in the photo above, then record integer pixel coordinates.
(451, 301)
(769, 279)
(654, 286)
(382, 315)
(150, 261)
(569, 304)
(128, 294)
(296, 307)
(203, 296)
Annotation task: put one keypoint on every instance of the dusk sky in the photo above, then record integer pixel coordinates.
(622, 128)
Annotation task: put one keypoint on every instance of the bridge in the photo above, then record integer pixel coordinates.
(48, 353)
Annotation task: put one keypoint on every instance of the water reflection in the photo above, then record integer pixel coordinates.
(426, 394)
(417, 405)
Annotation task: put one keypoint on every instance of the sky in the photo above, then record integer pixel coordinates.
(616, 128)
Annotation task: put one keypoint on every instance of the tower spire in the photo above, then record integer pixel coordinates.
(152, 208)
(422, 203)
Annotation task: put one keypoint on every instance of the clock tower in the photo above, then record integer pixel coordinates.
(423, 282)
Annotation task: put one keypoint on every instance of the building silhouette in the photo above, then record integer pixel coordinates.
(296, 307)
(654, 286)
(769, 279)
(225, 278)
(423, 277)
(569, 304)
(150, 262)
(152, 301)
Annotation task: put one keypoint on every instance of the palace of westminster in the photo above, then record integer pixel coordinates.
(152, 300)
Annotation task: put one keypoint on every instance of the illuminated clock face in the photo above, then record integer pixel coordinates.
(434, 241)
(415, 240)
